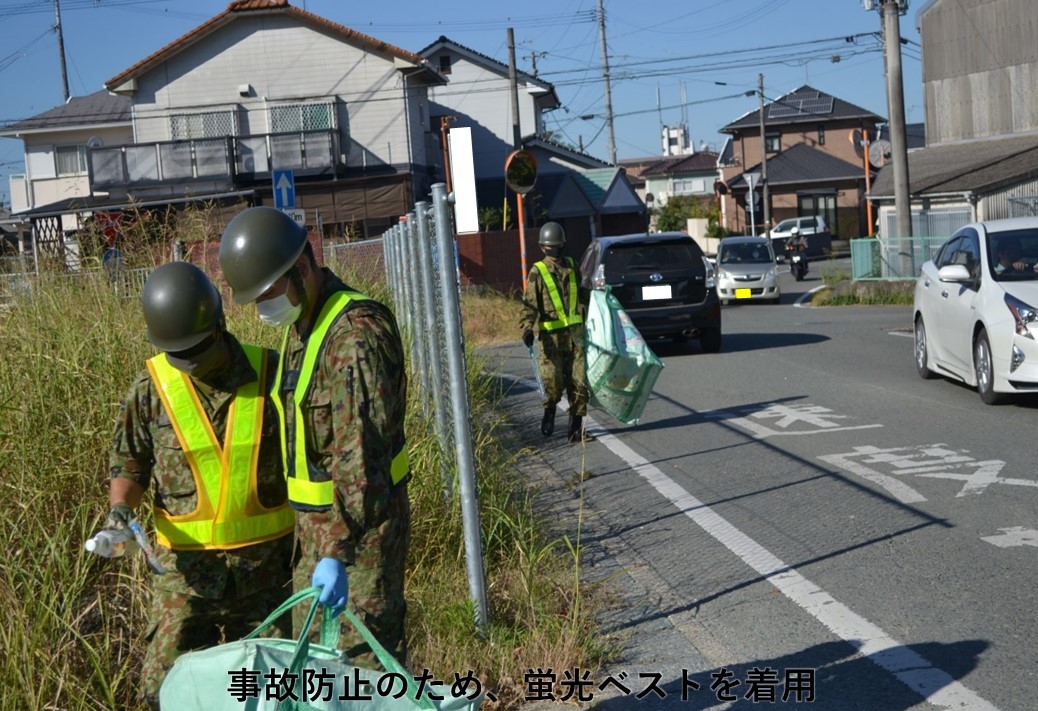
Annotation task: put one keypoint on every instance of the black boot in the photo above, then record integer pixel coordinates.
(577, 433)
(548, 421)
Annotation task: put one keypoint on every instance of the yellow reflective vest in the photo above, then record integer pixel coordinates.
(563, 320)
(310, 488)
(229, 513)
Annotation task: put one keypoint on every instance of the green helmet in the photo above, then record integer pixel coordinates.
(552, 235)
(258, 246)
(181, 306)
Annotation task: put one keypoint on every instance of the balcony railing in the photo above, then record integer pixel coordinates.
(231, 159)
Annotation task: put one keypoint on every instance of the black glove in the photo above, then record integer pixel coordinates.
(528, 338)
(120, 516)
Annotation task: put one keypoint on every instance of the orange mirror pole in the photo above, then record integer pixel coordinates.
(522, 237)
(868, 187)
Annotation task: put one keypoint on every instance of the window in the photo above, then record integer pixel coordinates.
(70, 160)
(445, 64)
(301, 117)
(821, 134)
(211, 124)
(773, 142)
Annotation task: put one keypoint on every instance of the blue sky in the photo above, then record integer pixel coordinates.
(705, 54)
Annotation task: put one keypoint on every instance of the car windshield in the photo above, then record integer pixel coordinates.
(627, 258)
(1013, 255)
(748, 253)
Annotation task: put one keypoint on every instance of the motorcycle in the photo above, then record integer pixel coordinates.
(797, 264)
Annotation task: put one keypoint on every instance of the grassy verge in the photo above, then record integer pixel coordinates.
(74, 625)
(841, 290)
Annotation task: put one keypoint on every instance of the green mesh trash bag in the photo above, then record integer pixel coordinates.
(257, 674)
(621, 368)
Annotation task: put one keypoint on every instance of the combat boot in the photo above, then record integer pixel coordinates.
(548, 421)
(577, 433)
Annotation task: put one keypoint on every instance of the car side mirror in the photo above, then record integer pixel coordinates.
(955, 273)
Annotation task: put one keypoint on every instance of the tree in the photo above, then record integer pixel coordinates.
(674, 215)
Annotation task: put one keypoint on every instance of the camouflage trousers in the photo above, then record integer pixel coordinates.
(376, 586)
(181, 622)
(563, 367)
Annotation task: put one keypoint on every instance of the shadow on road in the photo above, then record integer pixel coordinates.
(839, 679)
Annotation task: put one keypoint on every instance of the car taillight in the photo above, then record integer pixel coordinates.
(599, 278)
(1024, 315)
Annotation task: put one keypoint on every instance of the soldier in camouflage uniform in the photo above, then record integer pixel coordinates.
(556, 301)
(342, 396)
(220, 581)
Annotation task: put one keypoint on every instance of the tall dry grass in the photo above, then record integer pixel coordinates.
(73, 628)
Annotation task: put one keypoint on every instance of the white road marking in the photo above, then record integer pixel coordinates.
(816, 416)
(895, 487)
(1012, 537)
(935, 685)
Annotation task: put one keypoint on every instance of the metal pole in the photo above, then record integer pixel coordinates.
(411, 298)
(455, 341)
(434, 337)
(763, 158)
(418, 314)
(896, 107)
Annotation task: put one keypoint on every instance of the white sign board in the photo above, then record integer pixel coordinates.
(297, 214)
(463, 180)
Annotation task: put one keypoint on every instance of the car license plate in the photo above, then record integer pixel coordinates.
(653, 293)
(742, 293)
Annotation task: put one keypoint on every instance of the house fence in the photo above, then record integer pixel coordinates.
(893, 258)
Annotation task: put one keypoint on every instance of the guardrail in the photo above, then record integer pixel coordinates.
(891, 258)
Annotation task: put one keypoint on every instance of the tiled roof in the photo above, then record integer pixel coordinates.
(803, 107)
(803, 164)
(90, 110)
(595, 183)
(674, 165)
(534, 140)
(978, 166)
(240, 7)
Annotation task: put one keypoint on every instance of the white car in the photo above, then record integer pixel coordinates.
(975, 309)
(746, 270)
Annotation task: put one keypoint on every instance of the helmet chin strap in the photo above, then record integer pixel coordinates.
(297, 281)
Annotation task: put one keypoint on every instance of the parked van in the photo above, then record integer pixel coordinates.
(814, 227)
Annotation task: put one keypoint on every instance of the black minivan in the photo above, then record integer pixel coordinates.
(662, 280)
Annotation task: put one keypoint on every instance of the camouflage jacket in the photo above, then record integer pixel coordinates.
(537, 303)
(354, 412)
(146, 449)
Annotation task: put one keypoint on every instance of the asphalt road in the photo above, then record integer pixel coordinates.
(803, 508)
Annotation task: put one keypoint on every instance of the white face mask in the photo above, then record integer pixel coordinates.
(278, 311)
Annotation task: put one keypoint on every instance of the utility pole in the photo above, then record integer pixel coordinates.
(61, 48)
(896, 106)
(513, 82)
(763, 158)
(445, 122)
(608, 90)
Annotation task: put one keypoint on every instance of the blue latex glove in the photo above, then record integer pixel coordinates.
(330, 574)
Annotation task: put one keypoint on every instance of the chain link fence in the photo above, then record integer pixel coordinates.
(426, 289)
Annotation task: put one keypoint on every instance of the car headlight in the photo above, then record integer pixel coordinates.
(1024, 315)
(723, 275)
(772, 273)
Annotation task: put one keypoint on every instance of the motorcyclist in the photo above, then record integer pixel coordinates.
(797, 244)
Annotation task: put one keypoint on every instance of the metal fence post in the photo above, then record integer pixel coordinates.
(419, 337)
(434, 341)
(454, 339)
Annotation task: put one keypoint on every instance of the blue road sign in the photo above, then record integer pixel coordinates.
(284, 189)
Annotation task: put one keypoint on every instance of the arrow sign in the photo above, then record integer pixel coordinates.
(284, 189)
(1012, 537)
